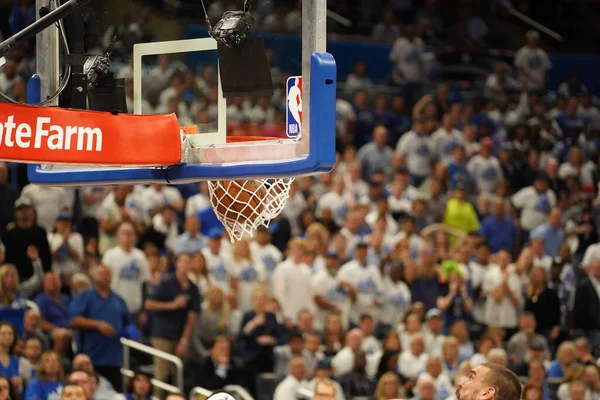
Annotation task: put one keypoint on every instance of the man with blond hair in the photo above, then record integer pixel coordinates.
(490, 382)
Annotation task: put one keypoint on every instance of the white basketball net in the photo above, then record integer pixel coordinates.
(242, 206)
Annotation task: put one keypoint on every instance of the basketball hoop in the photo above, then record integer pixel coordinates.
(244, 205)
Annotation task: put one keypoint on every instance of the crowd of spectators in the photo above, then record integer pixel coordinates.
(450, 234)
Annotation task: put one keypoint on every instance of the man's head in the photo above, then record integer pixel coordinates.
(126, 235)
(296, 343)
(83, 379)
(72, 391)
(192, 225)
(82, 362)
(297, 368)
(490, 381)
(221, 350)
(33, 349)
(380, 135)
(366, 325)
(324, 390)
(426, 388)
(577, 390)
(52, 284)
(102, 277)
(354, 339)
(527, 323)
(305, 321)
(183, 264)
(32, 320)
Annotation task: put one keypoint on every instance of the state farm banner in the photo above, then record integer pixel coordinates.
(63, 136)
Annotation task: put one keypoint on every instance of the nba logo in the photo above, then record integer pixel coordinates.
(293, 121)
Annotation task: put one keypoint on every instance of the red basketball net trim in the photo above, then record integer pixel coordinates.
(242, 206)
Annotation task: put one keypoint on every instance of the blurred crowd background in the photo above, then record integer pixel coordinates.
(460, 225)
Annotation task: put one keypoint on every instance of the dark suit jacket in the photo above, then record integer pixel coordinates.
(207, 377)
(586, 311)
(250, 348)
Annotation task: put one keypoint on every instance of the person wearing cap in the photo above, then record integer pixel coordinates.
(533, 204)
(25, 239)
(484, 168)
(324, 373)
(366, 281)
(329, 293)
(66, 247)
(532, 63)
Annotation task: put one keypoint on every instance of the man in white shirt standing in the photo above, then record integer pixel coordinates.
(503, 288)
(291, 282)
(330, 294)
(366, 281)
(288, 387)
(444, 140)
(533, 63)
(414, 147)
(407, 58)
(129, 268)
(485, 169)
(263, 251)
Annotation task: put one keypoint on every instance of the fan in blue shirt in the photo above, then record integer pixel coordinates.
(48, 383)
(9, 363)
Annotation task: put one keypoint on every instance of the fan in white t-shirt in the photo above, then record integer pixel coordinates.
(219, 263)
(534, 203)
(337, 200)
(248, 273)
(434, 371)
(413, 360)
(117, 207)
(343, 361)
(291, 282)
(154, 197)
(370, 344)
(366, 281)
(129, 268)
(350, 231)
(485, 169)
(329, 293)
(66, 246)
(444, 140)
(264, 252)
(503, 288)
(407, 57)
(397, 297)
(533, 63)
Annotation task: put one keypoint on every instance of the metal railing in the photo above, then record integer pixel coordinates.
(232, 389)
(126, 370)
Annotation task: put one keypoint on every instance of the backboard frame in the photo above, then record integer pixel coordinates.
(312, 153)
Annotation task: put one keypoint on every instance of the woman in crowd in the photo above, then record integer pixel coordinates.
(388, 387)
(574, 373)
(48, 381)
(543, 303)
(212, 322)
(199, 274)
(139, 388)
(6, 389)
(532, 391)
(333, 335)
(66, 248)
(249, 275)
(9, 363)
(454, 297)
